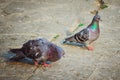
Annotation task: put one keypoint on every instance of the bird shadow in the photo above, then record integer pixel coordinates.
(26, 60)
(9, 55)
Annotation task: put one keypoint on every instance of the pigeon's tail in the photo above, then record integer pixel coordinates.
(15, 50)
(70, 39)
(19, 54)
(67, 40)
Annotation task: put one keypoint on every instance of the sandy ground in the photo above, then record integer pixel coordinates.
(22, 20)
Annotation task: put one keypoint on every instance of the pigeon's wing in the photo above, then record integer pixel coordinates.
(19, 55)
(15, 51)
(81, 36)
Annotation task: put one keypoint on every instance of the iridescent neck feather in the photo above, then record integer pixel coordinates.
(94, 25)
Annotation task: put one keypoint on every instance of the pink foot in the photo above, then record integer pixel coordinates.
(90, 48)
(36, 63)
(46, 65)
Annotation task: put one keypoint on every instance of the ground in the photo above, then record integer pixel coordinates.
(22, 20)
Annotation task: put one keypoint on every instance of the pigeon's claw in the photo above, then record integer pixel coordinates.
(46, 65)
(90, 48)
(36, 63)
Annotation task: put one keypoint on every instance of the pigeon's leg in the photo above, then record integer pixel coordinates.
(89, 47)
(40, 59)
(45, 64)
(36, 63)
(43, 60)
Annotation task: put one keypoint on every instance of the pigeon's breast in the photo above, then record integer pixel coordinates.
(93, 34)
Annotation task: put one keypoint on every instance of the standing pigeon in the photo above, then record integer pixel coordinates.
(87, 35)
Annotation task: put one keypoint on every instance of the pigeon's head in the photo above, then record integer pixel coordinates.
(97, 17)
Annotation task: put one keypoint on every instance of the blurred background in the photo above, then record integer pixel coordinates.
(22, 20)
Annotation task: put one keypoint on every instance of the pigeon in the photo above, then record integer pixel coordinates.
(87, 35)
(40, 50)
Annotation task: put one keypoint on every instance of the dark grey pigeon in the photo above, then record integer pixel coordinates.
(40, 50)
